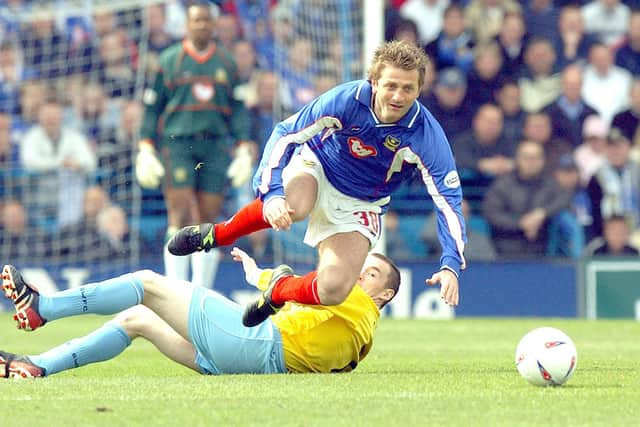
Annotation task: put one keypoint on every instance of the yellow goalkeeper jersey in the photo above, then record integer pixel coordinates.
(328, 338)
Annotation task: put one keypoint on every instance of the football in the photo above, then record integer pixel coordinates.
(546, 356)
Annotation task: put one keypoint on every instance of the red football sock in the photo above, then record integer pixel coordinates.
(299, 289)
(245, 221)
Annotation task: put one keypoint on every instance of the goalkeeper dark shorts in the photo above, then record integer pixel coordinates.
(196, 162)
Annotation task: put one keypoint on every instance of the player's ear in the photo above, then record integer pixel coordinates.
(388, 294)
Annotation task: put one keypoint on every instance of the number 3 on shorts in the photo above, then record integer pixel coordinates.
(370, 220)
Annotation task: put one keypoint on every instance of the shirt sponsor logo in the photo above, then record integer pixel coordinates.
(452, 180)
(360, 149)
(391, 142)
(202, 91)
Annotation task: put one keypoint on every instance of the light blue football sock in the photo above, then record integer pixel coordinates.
(103, 344)
(107, 297)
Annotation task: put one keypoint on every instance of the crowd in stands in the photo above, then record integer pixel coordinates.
(540, 101)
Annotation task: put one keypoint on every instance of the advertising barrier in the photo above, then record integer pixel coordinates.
(532, 289)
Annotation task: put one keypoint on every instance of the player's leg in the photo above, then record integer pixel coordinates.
(179, 197)
(34, 309)
(210, 183)
(106, 343)
(179, 203)
(301, 190)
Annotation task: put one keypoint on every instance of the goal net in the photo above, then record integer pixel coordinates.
(71, 73)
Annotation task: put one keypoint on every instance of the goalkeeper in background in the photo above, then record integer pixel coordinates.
(200, 328)
(191, 116)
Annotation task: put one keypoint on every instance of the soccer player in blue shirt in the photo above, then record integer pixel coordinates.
(337, 161)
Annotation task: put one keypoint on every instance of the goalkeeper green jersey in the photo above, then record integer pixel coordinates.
(193, 93)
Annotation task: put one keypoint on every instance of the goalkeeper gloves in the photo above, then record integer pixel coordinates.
(149, 170)
(241, 168)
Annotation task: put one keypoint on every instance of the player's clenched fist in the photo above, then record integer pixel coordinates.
(149, 170)
(277, 212)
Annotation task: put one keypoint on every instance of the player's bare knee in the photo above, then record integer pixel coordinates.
(151, 281)
(134, 320)
(334, 288)
(301, 192)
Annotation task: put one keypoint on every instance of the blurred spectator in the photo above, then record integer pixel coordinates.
(158, 37)
(541, 18)
(396, 245)
(8, 159)
(478, 247)
(12, 73)
(16, 241)
(484, 17)
(606, 86)
(117, 71)
(176, 15)
(615, 187)
(482, 149)
(113, 227)
(245, 57)
(447, 103)
(569, 110)
(405, 29)
(227, 30)
(540, 83)
(511, 40)
(32, 95)
(45, 48)
(98, 235)
(590, 155)
(615, 239)
(8, 151)
(116, 148)
(606, 19)
(296, 84)
(573, 44)
(628, 121)
(427, 15)
(569, 231)
(628, 54)
(52, 147)
(486, 75)
(454, 45)
(519, 206)
(513, 117)
(537, 128)
(96, 115)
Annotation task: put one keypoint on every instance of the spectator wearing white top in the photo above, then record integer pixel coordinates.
(49, 146)
(606, 86)
(427, 14)
(606, 19)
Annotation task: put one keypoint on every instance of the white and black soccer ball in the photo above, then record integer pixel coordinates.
(546, 356)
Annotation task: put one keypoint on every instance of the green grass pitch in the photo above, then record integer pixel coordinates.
(420, 373)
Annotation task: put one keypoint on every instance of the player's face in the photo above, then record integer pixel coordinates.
(374, 275)
(199, 25)
(395, 91)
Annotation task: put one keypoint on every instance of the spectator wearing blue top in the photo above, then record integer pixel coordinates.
(628, 54)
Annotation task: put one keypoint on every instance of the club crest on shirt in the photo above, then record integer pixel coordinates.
(203, 91)
(359, 149)
(392, 143)
(221, 76)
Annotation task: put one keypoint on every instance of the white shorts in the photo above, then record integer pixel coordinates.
(334, 212)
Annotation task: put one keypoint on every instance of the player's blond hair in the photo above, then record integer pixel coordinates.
(401, 54)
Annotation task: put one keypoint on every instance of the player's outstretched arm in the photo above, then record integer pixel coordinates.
(448, 285)
(251, 270)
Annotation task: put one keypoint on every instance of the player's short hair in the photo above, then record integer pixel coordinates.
(393, 280)
(401, 54)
